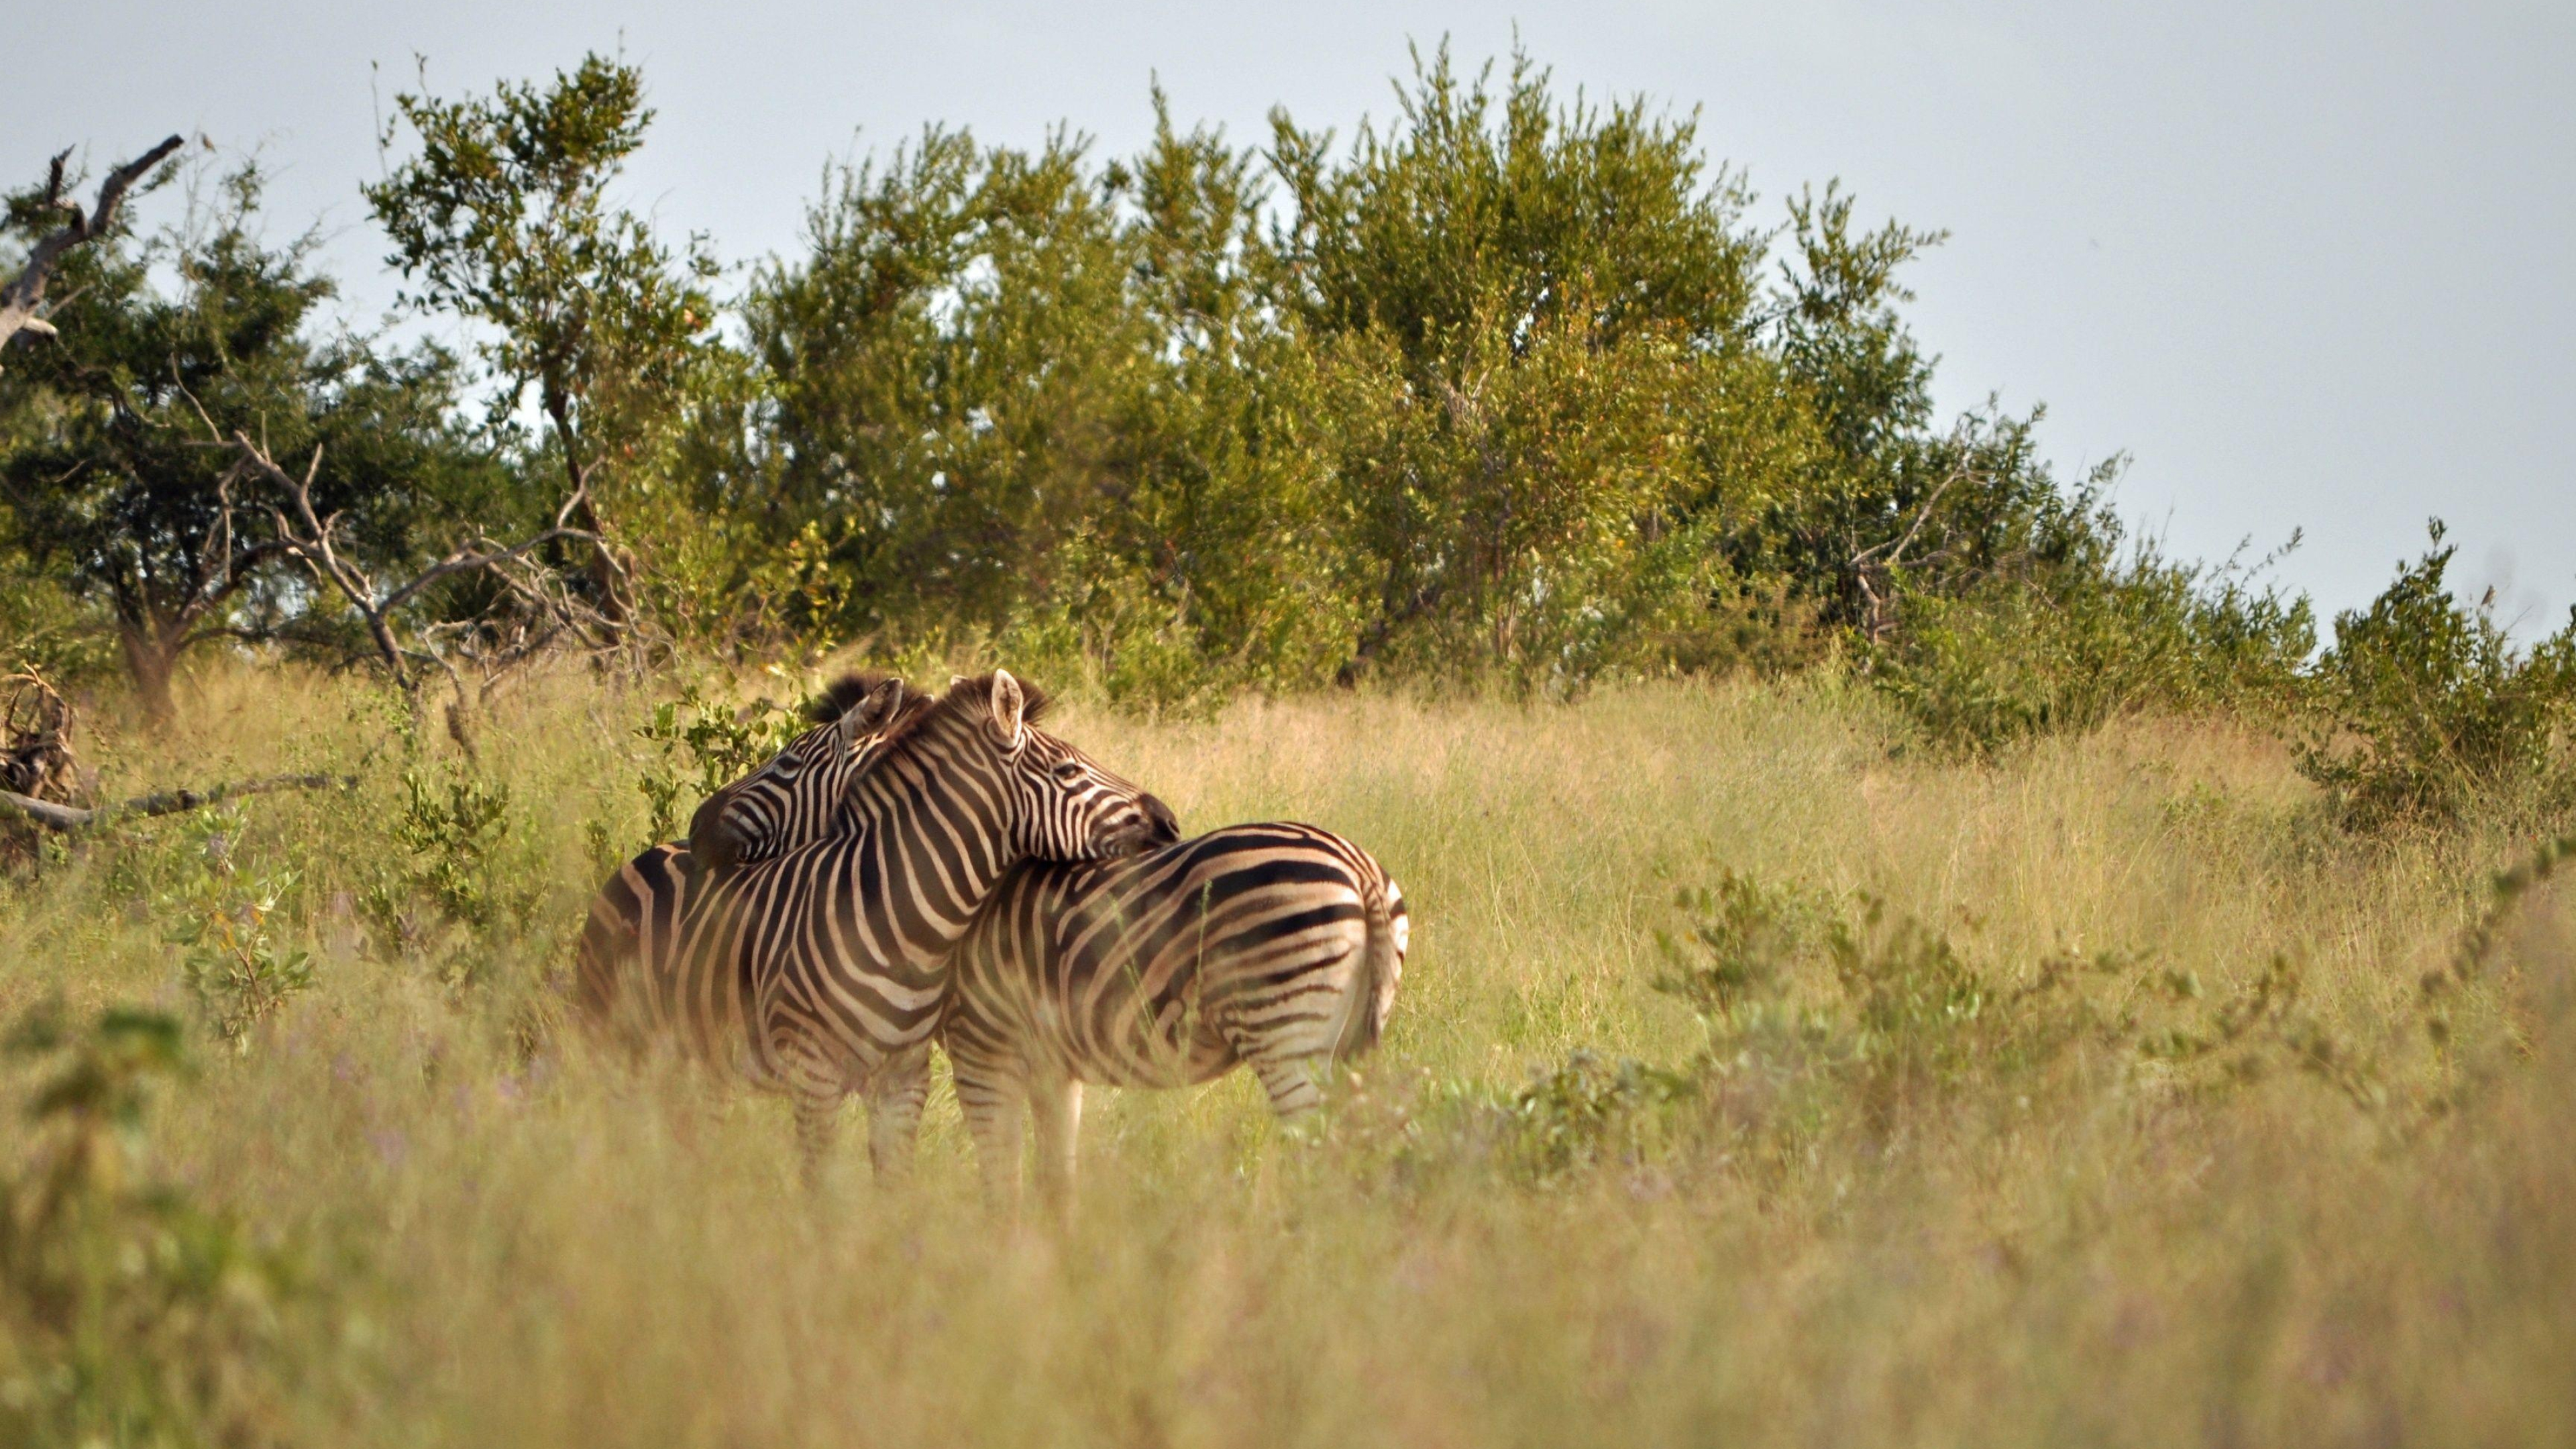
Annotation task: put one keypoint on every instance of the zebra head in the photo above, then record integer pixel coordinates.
(791, 799)
(1065, 804)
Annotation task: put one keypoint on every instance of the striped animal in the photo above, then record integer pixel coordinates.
(833, 954)
(1276, 945)
(628, 965)
(795, 795)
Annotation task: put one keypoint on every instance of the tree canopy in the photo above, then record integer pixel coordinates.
(1511, 385)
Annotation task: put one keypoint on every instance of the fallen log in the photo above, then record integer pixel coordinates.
(160, 802)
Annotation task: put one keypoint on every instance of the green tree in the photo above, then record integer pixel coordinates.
(1539, 319)
(2430, 711)
(1229, 523)
(504, 216)
(1496, 387)
(125, 483)
(946, 367)
(1480, 206)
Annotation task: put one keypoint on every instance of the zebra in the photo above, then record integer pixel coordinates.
(628, 966)
(1275, 945)
(1277, 908)
(793, 796)
(830, 958)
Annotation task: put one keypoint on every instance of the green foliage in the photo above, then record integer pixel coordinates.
(1497, 394)
(704, 747)
(2066, 647)
(2429, 712)
(1507, 387)
(49, 628)
(470, 887)
(230, 958)
(1840, 333)
(1589, 1112)
(119, 483)
(1822, 1023)
(1478, 205)
(504, 216)
(128, 1314)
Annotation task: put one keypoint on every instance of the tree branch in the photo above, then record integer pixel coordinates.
(160, 802)
(493, 645)
(1876, 608)
(26, 291)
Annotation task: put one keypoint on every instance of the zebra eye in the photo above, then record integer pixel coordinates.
(789, 767)
(1068, 771)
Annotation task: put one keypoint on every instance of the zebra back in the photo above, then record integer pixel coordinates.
(1277, 944)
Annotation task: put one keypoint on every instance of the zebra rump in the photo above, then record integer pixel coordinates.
(1274, 945)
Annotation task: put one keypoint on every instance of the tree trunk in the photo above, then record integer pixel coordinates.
(151, 658)
(601, 571)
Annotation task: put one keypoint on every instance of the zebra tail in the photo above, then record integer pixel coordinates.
(1372, 985)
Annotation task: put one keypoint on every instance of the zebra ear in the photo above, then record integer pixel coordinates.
(1009, 705)
(873, 712)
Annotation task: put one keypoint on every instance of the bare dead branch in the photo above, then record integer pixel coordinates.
(26, 291)
(37, 757)
(1869, 571)
(160, 802)
(537, 612)
(45, 812)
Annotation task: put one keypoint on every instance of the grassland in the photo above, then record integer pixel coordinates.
(1806, 1219)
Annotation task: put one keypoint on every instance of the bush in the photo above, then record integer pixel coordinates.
(704, 747)
(1825, 1022)
(128, 1314)
(47, 629)
(230, 958)
(470, 882)
(2429, 712)
(2068, 647)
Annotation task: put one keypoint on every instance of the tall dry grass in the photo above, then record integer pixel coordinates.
(502, 1248)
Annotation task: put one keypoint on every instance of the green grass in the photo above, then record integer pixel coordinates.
(504, 1250)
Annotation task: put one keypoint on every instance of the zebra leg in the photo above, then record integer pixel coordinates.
(990, 1092)
(818, 1084)
(895, 1096)
(1055, 1102)
(818, 1125)
(1295, 1084)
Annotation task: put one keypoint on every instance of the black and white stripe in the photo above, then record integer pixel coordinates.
(1277, 945)
(628, 963)
(795, 795)
(832, 957)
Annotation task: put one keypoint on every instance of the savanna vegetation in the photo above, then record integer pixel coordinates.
(1897, 958)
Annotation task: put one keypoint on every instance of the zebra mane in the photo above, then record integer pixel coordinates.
(970, 699)
(842, 694)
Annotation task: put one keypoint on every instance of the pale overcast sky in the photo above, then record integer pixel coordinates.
(2309, 264)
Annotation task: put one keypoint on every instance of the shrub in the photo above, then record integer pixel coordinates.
(49, 630)
(2429, 712)
(128, 1314)
(1821, 1021)
(1587, 1112)
(2067, 647)
(470, 882)
(704, 747)
(229, 955)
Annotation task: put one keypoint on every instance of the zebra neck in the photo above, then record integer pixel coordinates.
(938, 813)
